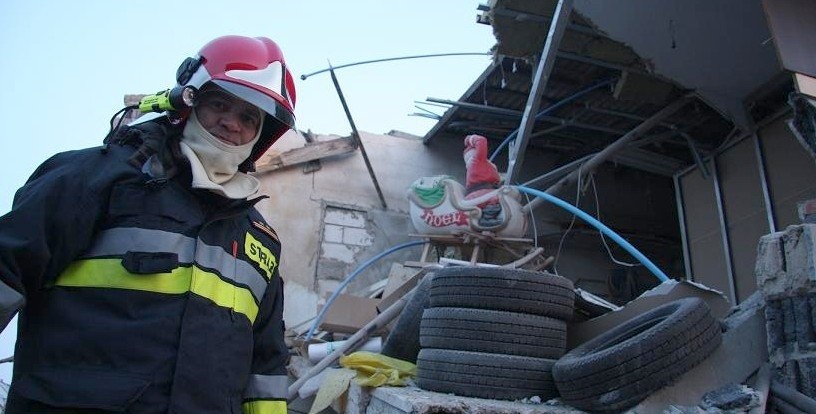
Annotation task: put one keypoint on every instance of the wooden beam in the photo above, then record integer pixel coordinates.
(314, 151)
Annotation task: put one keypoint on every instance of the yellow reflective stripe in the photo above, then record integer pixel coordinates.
(224, 294)
(109, 273)
(264, 407)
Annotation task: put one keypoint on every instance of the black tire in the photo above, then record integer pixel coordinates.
(512, 290)
(403, 341)
(499, 332)
(622, 366)
(482, 375)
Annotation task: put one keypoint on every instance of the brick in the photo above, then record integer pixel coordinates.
(786, 262)
(331, 269)
(774, 325)
(357, 237)
(812, 304)
(804, 329)
(800, 258)
(770, 265)
(333, 233)
(807, 376)
(339, 252)
(343, 217)
(789, 321)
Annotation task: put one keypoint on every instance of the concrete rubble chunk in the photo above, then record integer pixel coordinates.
(786, 263)
(731, 397)
(786, 276)
(395, 400)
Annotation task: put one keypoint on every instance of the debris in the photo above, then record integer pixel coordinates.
(730, 397)
(355, 341)
(578, 333)
(762, 385)
(786, 275)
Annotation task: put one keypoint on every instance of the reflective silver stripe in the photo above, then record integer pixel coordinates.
(267, 387)
(231, 268)
(118, 241)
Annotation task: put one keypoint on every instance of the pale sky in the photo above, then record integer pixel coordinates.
(67, 65)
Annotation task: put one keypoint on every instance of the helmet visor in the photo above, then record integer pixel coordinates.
(259, 99)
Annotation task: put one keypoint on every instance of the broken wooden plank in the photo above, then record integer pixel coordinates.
(312, 151)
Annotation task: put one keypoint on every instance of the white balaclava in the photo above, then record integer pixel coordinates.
(215, 164)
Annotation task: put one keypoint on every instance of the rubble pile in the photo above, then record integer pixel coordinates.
(786, 276)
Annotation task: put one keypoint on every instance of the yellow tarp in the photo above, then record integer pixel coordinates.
(368, 369)
(375, 370)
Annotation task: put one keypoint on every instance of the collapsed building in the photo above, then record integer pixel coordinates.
(687, 127)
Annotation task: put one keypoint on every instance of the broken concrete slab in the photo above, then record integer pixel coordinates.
(731, 397)
(578, 333)
(394, 400)
(745, 336)
(786, 262)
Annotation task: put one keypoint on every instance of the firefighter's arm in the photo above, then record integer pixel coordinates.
(50, 222)
(268, 385)
(10, 302)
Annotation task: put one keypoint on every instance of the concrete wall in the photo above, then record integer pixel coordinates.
(331, 220)
(725, 260)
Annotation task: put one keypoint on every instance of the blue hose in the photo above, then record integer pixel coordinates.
(351, 277)
(551, 108)
(600, 226)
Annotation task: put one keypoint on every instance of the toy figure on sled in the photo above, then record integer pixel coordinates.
(441, 206)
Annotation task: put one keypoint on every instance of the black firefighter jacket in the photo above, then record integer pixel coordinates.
(141, 296)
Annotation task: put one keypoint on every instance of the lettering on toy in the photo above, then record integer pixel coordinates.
(457, 218)
(260, 255)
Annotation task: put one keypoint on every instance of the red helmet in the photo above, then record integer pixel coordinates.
(253, 69)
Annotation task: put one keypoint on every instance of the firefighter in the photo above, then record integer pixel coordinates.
(145, 278)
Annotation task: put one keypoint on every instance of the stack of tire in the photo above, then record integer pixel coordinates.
(493, 332)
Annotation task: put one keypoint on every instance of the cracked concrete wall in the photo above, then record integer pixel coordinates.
(331, 220)
(720, 49)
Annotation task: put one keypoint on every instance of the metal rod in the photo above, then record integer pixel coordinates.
(763, 179)
(564, 169)
(450, 113)
(545, 66)
(793, 396)
(510, 113)
(612, 148)
(303, 77)
(602, 63)
(547, 110)
(696, 155)
(478, 107)
(357, 137)
(729, 267)
(681, 216)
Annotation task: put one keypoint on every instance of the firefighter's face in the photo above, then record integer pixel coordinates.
(228, 118)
